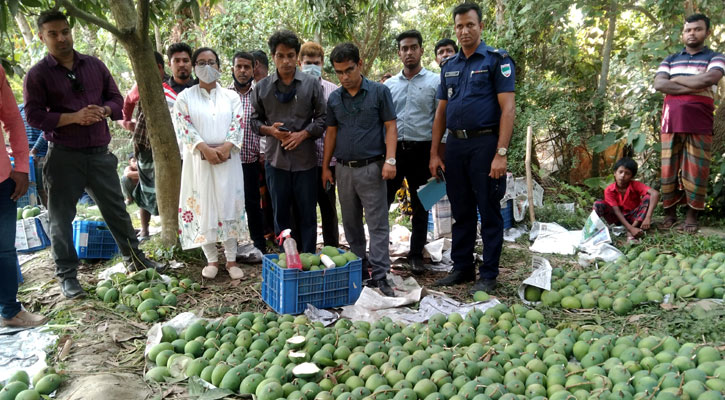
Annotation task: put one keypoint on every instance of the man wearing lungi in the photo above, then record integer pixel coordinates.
(688, 79)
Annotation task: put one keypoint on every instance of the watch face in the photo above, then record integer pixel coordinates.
(502, 151)
(390, 161)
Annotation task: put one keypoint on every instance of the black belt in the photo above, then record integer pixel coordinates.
(472, 133)
(84, 150)
(413, 144)
(360, 163)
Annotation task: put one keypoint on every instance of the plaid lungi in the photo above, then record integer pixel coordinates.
(145, 192)
(606, 212)
(685, 169)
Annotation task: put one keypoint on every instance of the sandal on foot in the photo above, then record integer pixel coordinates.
(235, 272)
(210, 271)
(688, 227)
(668, 223)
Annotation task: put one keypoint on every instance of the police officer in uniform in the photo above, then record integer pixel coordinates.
(477, 106)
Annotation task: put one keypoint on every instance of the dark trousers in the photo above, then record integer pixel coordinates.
(298, 188)
(9, 306)
(67, 174)
(327, 200)
(468, 163)
(412, 164)
(252, 203)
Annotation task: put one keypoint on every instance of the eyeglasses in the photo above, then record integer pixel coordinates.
(203, 63)
(76, 85)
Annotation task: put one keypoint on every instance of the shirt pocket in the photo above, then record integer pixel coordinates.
(369, 115)
(481, 78)
(452, 86)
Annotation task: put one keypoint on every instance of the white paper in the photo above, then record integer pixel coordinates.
(540, 278)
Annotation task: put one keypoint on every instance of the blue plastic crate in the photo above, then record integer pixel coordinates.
(92, 239)
(31, 171)
(45, 242)
(507, 213)
(288, 291)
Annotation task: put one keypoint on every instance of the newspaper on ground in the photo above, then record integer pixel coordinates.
(540, 278)
(594, 240)
(24, 349)
(513, 233)
(550, 237)
(315, 314)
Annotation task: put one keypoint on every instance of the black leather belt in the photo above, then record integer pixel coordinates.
(472, 133)
(360, 163)
(84, 150)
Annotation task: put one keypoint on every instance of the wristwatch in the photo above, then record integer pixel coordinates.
(502, 151)
(390, 161)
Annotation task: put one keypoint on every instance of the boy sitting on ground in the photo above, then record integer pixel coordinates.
(628, 202)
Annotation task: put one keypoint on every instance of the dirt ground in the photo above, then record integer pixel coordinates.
(101, 350)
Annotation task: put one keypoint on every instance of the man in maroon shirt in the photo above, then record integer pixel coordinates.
(69, 96)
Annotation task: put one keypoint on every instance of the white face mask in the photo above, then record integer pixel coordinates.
(207, 73)
(312, 69)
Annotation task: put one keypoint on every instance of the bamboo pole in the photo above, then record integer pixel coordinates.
(529, 180)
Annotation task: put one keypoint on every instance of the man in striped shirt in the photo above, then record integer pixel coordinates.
(311, 58)
(688, 79)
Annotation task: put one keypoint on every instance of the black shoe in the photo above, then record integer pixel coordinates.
(71, 288)
(416, 265)
(365, 270)
(139, 262)
(485, 285)
(383, 285)
(455, 277)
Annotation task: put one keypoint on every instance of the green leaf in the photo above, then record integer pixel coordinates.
(13, 6)
(31, 3)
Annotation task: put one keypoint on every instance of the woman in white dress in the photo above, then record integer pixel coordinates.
(207, 120)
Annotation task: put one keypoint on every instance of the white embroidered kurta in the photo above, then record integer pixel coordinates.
(211, 203)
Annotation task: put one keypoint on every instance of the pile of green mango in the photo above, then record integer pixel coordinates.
(28, 212)
(19, 387)
(312, 262)
(633, 279)
(145, 293)
(501, 354)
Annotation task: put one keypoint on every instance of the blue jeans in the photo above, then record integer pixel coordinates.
(468, 163)
(300, 188)
(9, 305)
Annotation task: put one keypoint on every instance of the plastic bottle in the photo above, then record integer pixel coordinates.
(327, 261)
(290, 249)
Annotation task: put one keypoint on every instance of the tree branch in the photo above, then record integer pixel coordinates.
(644, 11)
(100, 22)
(143, 18)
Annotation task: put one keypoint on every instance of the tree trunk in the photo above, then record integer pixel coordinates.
(24, 28)
(157, 37)
(600, 99)
(500, 15)
(167, 162)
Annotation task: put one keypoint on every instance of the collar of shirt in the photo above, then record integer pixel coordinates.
(77, 58)
(364, 86)
(401, 75)
(481, 49)
(703, 50)
(298, 76)
(233, 87)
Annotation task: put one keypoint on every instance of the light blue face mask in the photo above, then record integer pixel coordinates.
(312, 69)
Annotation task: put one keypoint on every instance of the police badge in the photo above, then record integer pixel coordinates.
(450, 92)
(506, 70)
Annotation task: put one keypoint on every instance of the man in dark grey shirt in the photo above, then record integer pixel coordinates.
(289, 109)
(363, 135)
